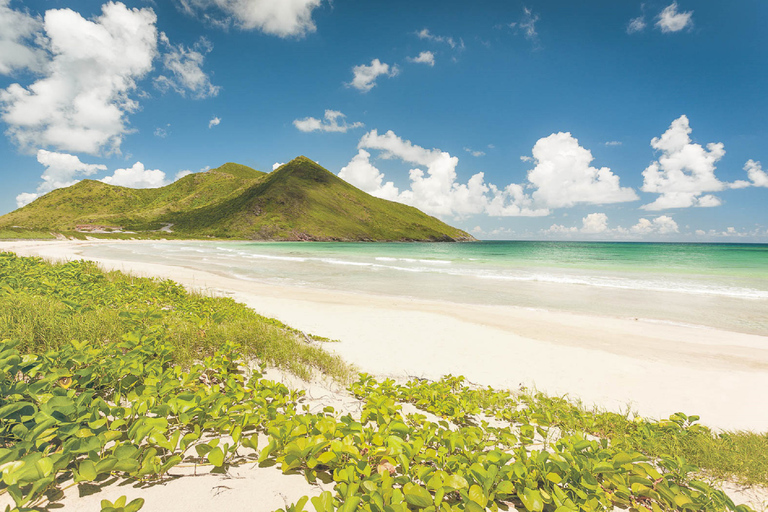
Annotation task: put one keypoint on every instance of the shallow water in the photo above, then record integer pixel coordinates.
(718, 285)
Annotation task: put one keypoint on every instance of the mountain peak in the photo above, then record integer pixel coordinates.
(300, 200)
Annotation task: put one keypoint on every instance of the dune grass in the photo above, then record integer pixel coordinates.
(10, 233)
(45, 306)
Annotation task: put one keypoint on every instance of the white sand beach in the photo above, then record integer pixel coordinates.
(653, 368)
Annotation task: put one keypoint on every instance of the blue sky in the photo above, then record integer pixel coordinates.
(588, 120)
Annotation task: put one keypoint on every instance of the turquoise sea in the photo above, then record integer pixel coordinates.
(718, 285)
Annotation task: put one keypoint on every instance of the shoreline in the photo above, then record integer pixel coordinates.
(656, 368)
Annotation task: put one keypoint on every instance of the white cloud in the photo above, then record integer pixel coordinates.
(81, 102)
(684, 172)
(636, 25)
(424, 58)
(594, 223)
(61, 170)
(597, 223)
(613, 143)
(215, 121)
(563, 176)
(435, 191)
(332, 118)
(559, 229)
(756, 173)
(137, 176)
(162, 132)
(474, 153)
(25, 198)
(277, 165)
(187, 172)
(670, 20)
(426, 34)
(283, 18)
(184, 64)
(732, 232)
(362, 174)
(527, 25)
(18, 30)
(365, 76)
(662, 225)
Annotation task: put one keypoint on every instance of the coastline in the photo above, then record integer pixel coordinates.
(653, 368)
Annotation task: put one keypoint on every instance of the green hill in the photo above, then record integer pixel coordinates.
(298, 201)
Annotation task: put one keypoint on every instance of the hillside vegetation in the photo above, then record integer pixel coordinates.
(299, 201)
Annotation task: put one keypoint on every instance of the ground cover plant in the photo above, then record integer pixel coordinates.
(145, 394)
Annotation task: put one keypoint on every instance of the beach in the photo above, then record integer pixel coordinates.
(650, 367)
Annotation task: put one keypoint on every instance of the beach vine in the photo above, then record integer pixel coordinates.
(127, 405)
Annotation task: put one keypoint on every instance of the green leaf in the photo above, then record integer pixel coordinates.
(532, 500)
(87, 471)
(134, 505)
(417, 495)
(476, 494)
(45, 466)
(216, 457)
(324, 502)
(456, 482)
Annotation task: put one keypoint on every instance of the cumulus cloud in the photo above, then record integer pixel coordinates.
(426, 34)
(82, 99)
(61, 170)
(597, 223)
(187, 172)
(362, 174)
(670, 20)
(662, 225)
(563, 176)
(18, 30)
(365, 76)
(276, 165)
(436, 190)
(427, 58)
(25, 198)
(685, 172)
(283, 18)
(335, 121)
(183, 66)
(592, 224)
(215, 121)
(732, 232)
(756, 173)
(636, 25)
(137, 176)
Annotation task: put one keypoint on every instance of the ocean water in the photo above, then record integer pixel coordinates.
(716, 285)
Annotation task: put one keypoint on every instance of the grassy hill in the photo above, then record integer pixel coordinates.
(298, 201)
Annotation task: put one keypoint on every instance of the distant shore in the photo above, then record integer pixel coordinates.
(653, 368)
